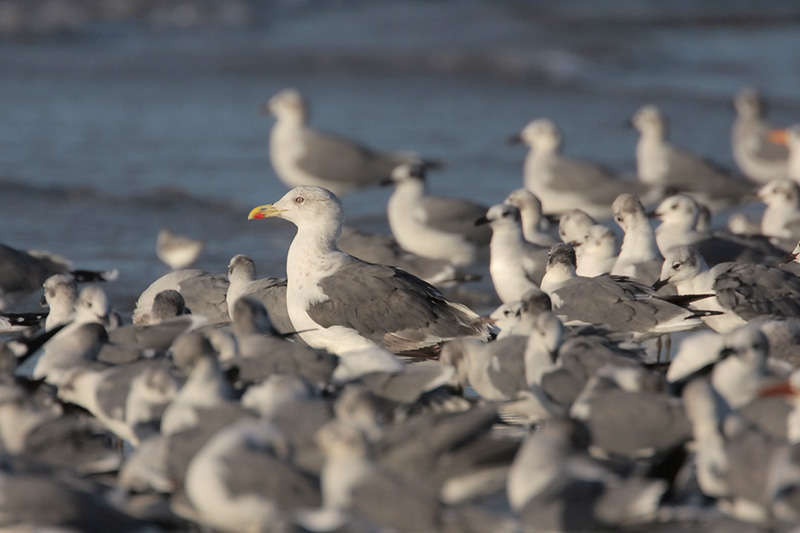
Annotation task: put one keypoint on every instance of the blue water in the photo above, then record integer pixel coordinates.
(115, 130)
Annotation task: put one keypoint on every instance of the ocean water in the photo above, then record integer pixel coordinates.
(114, 130)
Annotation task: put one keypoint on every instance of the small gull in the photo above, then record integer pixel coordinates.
(203, 293)
(781, 218)
(740, 291)
(790, 137)
(341, 303)
(60, 295)
(555, 485)
(515, 264)
(177, 251)
(302, 155)
(262, 352)
(573, 224)
(433, 226)
(562, 183)
(535, 226)
(243, 479)
(22, 273)
(679, 215)
(271, 292)
(639, 257)
(617, 302)
(758, 157)
(596, 252)
(628, 413)
(661, 164)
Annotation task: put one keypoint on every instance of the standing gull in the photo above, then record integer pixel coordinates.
(341, 303)
(791, 138)
(433, 226)
(22, 273)
(535, 225)
(660, 163)
(781, 218)
(302, 155)
(516, 265)
(760, 158)
(563, 183)
(617, 302)
(639, 257)
(741, 291)
(177, 251)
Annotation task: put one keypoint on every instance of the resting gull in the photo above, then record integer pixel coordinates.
(596, 252)
(177, 251)
(741, 291)
(341, 303)
(535, 225)
(791, 138)
(302, 155)
(617, 302)
(660, 163)
(563, 183)
(433, 226)
(760, 158)
(271, 292)
(22, 273)
(639, 257)
(781, 218)
(515, 264)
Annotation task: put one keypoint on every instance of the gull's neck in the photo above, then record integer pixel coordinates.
(639, 243)
(556, 276)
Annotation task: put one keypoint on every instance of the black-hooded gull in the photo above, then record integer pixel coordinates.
(659, 163)
(563, 183)
(760, 158)
(430, 226)
(515, 264)
(741, 291)
(302, 155)
(341, 303)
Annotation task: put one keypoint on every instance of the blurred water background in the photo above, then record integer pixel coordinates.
(120, 117)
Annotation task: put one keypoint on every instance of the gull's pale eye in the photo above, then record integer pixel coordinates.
(299, 200)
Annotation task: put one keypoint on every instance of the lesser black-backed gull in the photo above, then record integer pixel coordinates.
(341, 303)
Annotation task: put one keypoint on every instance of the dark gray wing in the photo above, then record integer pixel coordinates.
(22, 272)
(390, 307)
(453, 215)
(755, 290)
(337, 158)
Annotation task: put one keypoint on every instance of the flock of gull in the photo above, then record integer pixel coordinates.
(643, 385)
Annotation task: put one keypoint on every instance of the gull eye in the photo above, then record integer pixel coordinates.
(674, 206)
(299, 200)
(676, 266)
(618, 218)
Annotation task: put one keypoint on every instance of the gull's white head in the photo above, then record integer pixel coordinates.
(572, 225)
(681, 264)
(749, 103)
(525, 201)
(679, 210)
(649, 120)
(288, 104)
(628, 210)
(780, 193)
(542, 135)
(306, 207)
(501, 217)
